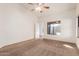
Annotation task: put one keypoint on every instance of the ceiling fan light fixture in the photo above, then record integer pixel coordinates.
(38, 9)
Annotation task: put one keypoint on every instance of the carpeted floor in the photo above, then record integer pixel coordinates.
(40, 48)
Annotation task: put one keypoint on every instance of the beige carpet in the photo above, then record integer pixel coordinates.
(40, 48)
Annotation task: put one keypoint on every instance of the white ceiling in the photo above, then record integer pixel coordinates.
(55, 8)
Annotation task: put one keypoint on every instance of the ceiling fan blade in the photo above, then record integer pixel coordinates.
(30, 3)
(47, 7)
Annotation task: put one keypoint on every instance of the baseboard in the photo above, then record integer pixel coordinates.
(59, 40)
(11, 43)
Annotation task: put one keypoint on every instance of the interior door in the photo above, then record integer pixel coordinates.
(37, 30)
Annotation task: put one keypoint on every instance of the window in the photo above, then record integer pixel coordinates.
(53, 28)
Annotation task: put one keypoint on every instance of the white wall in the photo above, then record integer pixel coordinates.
(68, 23)
(16, 24)
(77, 29)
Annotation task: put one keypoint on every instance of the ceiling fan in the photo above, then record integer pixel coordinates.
(41, 7)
